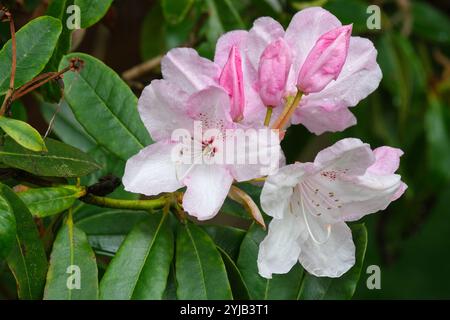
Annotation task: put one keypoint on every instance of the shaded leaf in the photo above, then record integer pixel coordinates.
(141, 266)
(238, 286)
(71, 257)
(200, 270)
(176, 10)
(35, 44)
(92, 11)
(112, 118)
(61, 160)
(7, 228)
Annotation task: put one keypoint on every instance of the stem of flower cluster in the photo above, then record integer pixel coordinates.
(287, 112)
(268, 116)
(150, 204)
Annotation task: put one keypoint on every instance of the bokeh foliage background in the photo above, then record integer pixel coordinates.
(410, 241)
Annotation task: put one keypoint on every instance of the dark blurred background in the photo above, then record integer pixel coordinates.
(410, 241)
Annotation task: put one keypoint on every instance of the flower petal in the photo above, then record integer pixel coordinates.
(320, 119)
(162, 107)
(225, 43)
(211, 106)
(278, 189)
(264, 31)
(190, 72)
(152, 170)
(332, 258)
(387, 160)
(325, 60)
(359, 77)
(253, 153)
(305, 29)
(280, 249)
(207, 188)
(350, 155)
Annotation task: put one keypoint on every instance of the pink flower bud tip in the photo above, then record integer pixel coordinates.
(325, 60)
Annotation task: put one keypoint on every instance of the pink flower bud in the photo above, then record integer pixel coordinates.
(274, 67)
(231, 79)
(325, 60)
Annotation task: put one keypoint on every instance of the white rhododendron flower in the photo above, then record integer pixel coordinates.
(311, 202)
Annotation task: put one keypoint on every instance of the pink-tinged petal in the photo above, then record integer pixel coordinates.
(162, 107)
(400, 191)
(232, 80)
(343, 189)
(278, 190)
(225, 43)
(152, 170)
(360, 76)
(211, 106)
(320, 119)
(305, 29)
(273, 71)
(331, 258)
(252, 153)
(349, 157)
(325, 60)
(207, 188)
(265, 30)
(280, 249)
(190, 72)
(387, 160)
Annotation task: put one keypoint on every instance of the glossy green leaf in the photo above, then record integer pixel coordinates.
(200, 270)
(323, 288)
(176, 10)
(141, 266)
(280, 287)
(7, 228)
(66, 127)
(58, 10)
(107, 228)
(112, 118)
(227, 238)
(92, 11)
(26, 259)
(44, 202)
(61, 160)
(35, 44)
(23, 134)
(238, 286)
(72, 273)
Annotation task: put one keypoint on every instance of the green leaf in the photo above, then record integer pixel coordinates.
(430, 23)
(26, 259)
(61, 160)
(7, 228)
(58, 9)
(176, 10)
(141, 266)
(200, 270)
(323, 288)
(35, 44)
(280, 287)
(350, 11)
(72, 274)
(44, 202)
(111, 117)
(227, 238)
(23, 134)
(238, 286)
(223, 16)
(107, 228)
(66, 127)
(92, 11)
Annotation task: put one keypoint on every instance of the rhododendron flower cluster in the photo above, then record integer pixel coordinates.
(268, 78)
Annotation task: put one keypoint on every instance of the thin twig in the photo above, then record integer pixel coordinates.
(141, 69)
